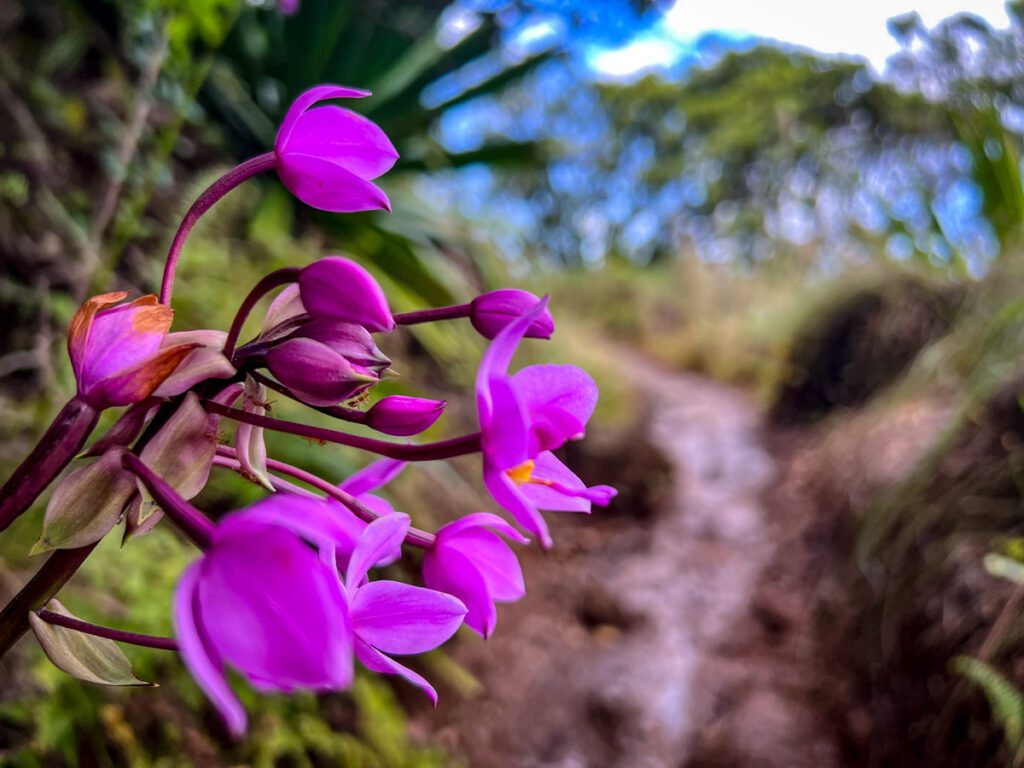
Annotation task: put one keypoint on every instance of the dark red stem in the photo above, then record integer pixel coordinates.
(445, 449)
(192, 522)
(47, 582)
(134, 638)
(57, 447)
(262, 288)
(432, 315)
(203, 203)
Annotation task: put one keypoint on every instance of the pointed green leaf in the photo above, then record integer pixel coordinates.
(89, 658)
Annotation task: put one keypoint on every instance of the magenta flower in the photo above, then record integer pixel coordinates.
(337, 288)
(117, 350)
(522, 418)
(328, 156)
(390, 618)
(471, 561)
(262, 601)
(403, 416)
(491, 312)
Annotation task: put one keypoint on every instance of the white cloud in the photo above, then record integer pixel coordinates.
(829, 26)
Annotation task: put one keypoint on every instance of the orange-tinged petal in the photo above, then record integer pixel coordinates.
(78, 332)
(139, 382)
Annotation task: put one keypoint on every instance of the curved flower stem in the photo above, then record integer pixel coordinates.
(57, 447)
(134, 638)
(432, 315)
(415, 537)
(445, 449)
(351, 415)
(47, 582)
(192, 522)
(203, 203)
(275, 279)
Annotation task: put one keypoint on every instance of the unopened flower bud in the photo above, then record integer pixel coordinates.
(403, 416)
(353, 342)
(328, 156)
(491, 312)
(316, 374)
(337, 288)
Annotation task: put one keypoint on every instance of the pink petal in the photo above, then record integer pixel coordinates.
(506, 436)
(481, 520)
(403, 619)
(328, 186)
(201, 662)
(285, 306)
(494, 559)
(313, 519)
(307, 99)
(204, 362)
(373, 476)
(381, 541)
(508, 495)
(560, 400)
(345, 138)
(376, 661)
(448, 570)
(274, 611)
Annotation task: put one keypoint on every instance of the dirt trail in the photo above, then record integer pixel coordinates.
(626, 652)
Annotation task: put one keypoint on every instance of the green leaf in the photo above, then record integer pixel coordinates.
(86, 657)
(1004, 698)
(86, 504)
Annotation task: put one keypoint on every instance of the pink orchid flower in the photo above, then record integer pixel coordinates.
(261, 600)
(523, 417)
(471, 561)
(328, 156)
(390, 618)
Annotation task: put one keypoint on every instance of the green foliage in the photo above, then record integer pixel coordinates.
(1005, 699)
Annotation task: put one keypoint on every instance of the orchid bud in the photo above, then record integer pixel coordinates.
(117, 350)
(404, 416)
(327, 156)
(353, 342)
(491, 312)
(316, 374)
(337, 288)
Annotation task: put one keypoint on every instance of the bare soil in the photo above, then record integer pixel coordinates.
(680, 626)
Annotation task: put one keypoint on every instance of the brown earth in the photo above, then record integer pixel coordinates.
(682, 627)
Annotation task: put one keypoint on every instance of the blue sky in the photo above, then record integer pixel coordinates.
(829, 26)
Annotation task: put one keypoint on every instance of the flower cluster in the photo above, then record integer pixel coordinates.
(287, 592)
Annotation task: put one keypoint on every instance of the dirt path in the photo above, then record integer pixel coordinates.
(630, 649)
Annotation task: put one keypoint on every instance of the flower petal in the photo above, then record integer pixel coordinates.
(508, 495)
(307, 99)
(373, 476)
(124, 336)
(315, 373)
(448, 570)
(328, 186)
(495, 560)
(506, 435)
(343, 137)
(498, 356)
(481, 520)
(203, 663)
(341, 289)
(403, 619)
(381, 541)
(375, 661)
(138, 383)
(560, 400)
(313, 519)
(81, 324)
(206, 361)
(274, 610)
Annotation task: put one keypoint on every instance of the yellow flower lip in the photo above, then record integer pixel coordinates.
(521, 474)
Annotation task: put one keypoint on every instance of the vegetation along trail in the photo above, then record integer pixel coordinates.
(632, 650)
